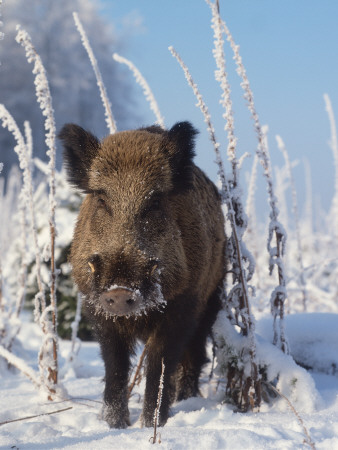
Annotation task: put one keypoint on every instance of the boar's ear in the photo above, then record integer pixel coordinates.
(182, 135)
(80, 147)
(156, 129)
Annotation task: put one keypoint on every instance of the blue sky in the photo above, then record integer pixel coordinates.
(290, 50)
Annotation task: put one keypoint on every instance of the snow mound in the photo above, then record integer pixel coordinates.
(293, 381)
(313, 339)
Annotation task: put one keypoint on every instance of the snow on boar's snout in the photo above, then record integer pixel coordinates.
(122, 288)
(121, 301)
(148, 256)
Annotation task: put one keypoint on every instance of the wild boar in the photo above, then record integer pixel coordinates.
(148, 255)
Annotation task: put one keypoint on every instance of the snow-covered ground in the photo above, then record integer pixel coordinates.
(197, 423)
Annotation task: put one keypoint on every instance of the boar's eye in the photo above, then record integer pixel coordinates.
(101, 201)
(155, 205)
(99, 196)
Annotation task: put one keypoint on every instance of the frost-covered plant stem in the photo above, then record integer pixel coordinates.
(1, 252)
(158, 404)
(26, 196)
(239, 295)
(282, 148)
(23, 224)
(207, 119)
(1, 286)
(44, 99)
(276, 230)
(309, 197)
(334, 147)
(247, 319)
(222, 78)
(23, 269)
(251, 229)
(110, 121)
(145, 86)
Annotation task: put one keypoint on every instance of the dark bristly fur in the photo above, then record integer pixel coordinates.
(150, 224)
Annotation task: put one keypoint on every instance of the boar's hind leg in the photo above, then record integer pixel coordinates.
(194, 358)
(115, 351)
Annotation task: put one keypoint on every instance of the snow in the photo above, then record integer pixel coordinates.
(203, 423)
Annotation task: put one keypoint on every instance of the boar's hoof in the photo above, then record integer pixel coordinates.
(115, 420)
(121, 301)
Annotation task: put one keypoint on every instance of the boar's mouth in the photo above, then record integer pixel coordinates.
(122, 301)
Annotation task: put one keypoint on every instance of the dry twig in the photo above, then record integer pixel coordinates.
(137, 375)
(36, 415)
(307, 439)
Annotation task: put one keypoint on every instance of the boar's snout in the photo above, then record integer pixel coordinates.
(121, 301)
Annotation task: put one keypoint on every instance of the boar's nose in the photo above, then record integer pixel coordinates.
(121, 301)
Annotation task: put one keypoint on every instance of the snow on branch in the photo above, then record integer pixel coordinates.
(145, 86)
(110, 121)
(20, 365)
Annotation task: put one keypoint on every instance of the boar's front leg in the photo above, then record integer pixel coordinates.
(115, 350)
(168, 342)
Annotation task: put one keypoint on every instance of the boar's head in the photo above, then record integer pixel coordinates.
(127, 253)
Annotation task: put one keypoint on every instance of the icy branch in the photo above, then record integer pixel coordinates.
(20, 365)
(145, 86)
(110, 121)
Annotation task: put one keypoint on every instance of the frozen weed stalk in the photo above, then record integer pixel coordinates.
(23, 151)
(246, 390)
(157, 437)
(276, 229)
(302, 282)
(145, 86)
(110, 121)
(48, 365)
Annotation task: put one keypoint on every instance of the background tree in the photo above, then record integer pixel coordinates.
(72, 82)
